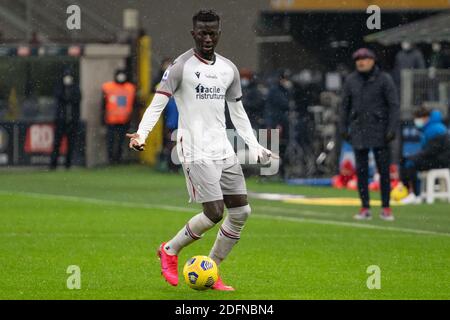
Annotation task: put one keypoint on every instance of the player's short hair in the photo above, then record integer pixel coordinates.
(205, 16)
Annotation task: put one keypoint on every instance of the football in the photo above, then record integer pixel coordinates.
(200, 272)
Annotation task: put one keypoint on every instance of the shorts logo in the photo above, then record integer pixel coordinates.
(198, 75)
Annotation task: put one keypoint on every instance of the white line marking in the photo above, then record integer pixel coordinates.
(98, 201)
(352, 224)
(260, 216)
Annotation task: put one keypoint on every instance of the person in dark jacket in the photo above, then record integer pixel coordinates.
(407, 58)
(68, 97)
(170, 123)
(369, 120)
(276, 112)
(253, 98)
(434, 152)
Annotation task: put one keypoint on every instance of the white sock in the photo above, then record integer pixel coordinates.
(193, 230)
(229, 233)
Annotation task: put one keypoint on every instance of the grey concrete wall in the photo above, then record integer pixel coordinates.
(168, 22)
(96, 67)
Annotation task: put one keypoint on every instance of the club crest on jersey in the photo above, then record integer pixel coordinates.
(213, 92)
(165, 75)
(198, 75)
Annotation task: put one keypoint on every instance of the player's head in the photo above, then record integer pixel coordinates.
(421, 116)
(364, 59)
(206, 32)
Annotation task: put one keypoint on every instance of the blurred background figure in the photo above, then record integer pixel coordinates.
(437, 59)
(369, 121)
(277, 112)
(165, 63)
(346, 177)
(253, 97)
(119, 98)
(409, 57)
(170, 124)
(434, 152)
(68, 97)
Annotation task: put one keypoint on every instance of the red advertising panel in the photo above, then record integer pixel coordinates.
(40, 138)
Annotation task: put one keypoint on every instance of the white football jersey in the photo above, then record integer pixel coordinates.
(200, 89)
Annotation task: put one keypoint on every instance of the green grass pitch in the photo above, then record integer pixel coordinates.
(110, 221)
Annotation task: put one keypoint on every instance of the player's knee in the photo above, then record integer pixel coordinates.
(214, 211)
(239, 215)
(235, 221)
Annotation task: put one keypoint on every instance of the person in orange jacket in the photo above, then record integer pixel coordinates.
(119, 98)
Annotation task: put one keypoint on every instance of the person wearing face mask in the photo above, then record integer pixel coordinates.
(68, 97)
(436, 57)
(119, 98)
(408, 57)
(434, 152)
(369, 120)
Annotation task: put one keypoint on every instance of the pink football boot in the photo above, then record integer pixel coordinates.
(220, 286)
(169, 265)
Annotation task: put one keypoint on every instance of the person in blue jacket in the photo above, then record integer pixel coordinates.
(170, 125)
(434, 152)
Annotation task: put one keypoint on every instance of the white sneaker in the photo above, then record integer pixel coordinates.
(411, 199)
(418, 200)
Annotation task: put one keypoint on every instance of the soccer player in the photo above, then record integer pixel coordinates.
(201, 81)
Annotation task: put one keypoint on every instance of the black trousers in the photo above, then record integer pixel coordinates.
(382, 159)
(410, 179)
(116, 137)
(70, 130)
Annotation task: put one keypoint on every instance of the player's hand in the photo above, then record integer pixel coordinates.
(265, 155)
(135, 143)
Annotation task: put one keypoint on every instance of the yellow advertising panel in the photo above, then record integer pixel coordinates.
(299, 5)
(154, 141)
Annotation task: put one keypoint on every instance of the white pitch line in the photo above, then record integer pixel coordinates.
(184, 209)
(352, 224)
(127, 204)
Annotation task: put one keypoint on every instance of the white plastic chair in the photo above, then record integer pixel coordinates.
(428, 185)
